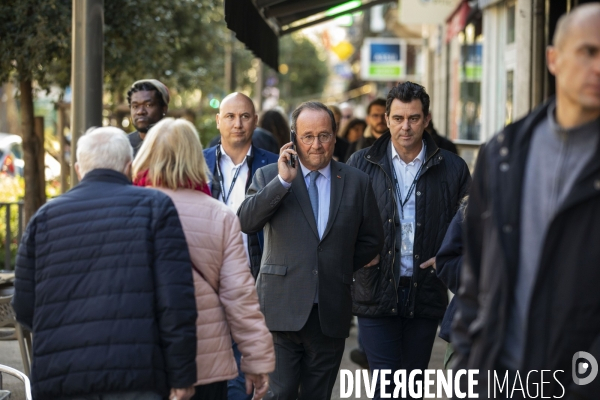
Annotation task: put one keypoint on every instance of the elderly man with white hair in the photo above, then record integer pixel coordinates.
(103, 280)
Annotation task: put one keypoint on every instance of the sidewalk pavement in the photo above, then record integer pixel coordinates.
(10, 355)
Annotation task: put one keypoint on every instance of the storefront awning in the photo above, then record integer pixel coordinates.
(482, 4)
(457, 21)
(259, 23)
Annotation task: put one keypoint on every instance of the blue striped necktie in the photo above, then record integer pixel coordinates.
(313, 194)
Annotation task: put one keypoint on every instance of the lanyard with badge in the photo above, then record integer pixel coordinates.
(407, 225)
(235, 176)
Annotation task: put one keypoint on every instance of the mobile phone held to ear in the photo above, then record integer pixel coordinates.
(292, 162)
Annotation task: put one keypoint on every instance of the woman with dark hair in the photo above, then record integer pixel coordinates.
(354, 130)
(275, 122)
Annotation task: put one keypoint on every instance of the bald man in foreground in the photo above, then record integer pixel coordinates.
(232, 163)
(529, 297)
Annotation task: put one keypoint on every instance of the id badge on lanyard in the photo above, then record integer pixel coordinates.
(407, 225)
(408, 236)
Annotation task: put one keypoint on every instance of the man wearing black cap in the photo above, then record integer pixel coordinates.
(148, 103)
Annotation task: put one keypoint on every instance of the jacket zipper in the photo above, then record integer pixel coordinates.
(394, 222)
(394, 219)
(413, 274)
(419, 178)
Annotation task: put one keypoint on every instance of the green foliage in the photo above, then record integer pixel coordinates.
(307, 69)
(180, 42)
(176, 41)
(33, 34)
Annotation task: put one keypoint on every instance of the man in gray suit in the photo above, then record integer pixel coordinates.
(320, 226)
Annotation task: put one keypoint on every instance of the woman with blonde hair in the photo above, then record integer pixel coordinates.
(171, 160)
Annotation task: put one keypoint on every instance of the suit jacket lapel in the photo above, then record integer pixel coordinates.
(259, 159)
(337, 187)
(210, 157)
(301, 193)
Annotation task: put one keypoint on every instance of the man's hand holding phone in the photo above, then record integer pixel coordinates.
(286, 171)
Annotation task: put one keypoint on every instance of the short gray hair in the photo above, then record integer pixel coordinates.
(315, 106)
(106, 147)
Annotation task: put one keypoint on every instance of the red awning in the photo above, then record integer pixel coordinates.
(457, 21)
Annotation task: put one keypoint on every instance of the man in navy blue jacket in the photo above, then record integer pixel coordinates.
(104, 281)
(233, 162)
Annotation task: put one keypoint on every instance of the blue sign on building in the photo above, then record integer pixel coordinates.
(381, 52)
(383, 59)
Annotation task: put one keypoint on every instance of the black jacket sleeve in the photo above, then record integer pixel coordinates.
(467, 298)
(449, 258)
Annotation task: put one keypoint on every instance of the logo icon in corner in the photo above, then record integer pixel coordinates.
(581, 368)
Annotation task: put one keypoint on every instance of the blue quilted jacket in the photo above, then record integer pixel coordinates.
(104, 280)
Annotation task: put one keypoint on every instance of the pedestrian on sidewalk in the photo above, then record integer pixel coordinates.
(276, 123)
(171, 160)
(341, 144)
(529, 298)
(418, 186)
(321, 224)
(103, 280)
(232, 163)
(376, 126)
(148, 103)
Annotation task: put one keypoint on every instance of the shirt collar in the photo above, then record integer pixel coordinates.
(420, 156)
(227, 158)
(325, 171)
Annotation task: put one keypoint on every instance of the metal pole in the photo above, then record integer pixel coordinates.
(7, 252)
(20, 221)
(65, 171)
(87, 71)
(38, 127)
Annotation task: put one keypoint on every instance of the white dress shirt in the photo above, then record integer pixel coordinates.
(406, 174)
(238, 194)
(324, 189)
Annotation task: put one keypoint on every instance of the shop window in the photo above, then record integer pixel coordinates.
(508, 117)
(510, 24)
(413, 60)
(469, 121)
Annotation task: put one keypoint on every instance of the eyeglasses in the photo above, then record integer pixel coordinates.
(323, 138)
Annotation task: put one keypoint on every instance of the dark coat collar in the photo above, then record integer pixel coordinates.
(105, 175)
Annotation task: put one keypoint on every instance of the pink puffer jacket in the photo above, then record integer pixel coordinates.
(225, 293)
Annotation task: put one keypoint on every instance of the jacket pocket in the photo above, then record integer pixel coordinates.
(366, 284)
(273, 269)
